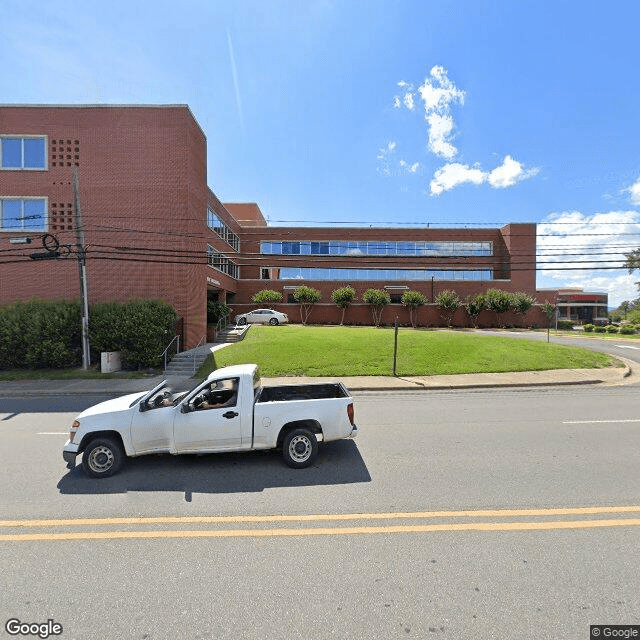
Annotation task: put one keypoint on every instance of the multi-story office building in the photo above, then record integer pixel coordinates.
(153, 228)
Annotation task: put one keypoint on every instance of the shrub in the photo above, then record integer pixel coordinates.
(216, 311)
(40, 334)
(599, 329)
(141, 329)
(567, 325)
(413, 300)
(343, 297)
(378, 299)
(588, 328)
(267, 297)
(498, 301)
(448, 302)
(306, 297)
(627, 329)
(474, 306)
(611, 328)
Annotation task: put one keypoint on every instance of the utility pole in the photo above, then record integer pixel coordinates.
(82, 266)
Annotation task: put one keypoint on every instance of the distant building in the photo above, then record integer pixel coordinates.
(581, 307)
(154, 229)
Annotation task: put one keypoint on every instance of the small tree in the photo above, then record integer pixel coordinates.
(521, 303)
(343, 297)
(448, 302)
(378, 299)
(475, 305)
(306, 297)
(499, 302)
(550, 311)
(413, 300)
(267, 297)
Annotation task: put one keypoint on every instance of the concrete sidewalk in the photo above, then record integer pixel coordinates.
(115, 386)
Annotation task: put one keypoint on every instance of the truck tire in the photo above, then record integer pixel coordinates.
(102, 458)
(299, 448)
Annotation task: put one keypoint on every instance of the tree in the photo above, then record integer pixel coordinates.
(267, 297)
(343, 297)
(550, 311)
(521, 303)
(306, 297)
(413, 300)
(633, 262)
(499, 302)
(475, 305)
(448, 302)
(378, 299)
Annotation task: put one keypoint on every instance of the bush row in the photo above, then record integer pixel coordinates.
(627, 329)
(47, 334)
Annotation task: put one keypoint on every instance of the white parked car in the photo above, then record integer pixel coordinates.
(262, 316)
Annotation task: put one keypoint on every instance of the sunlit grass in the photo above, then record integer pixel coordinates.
(367, 351)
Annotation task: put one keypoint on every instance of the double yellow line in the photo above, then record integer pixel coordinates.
(274, 526)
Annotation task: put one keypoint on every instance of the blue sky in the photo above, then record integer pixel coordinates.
(378, 112)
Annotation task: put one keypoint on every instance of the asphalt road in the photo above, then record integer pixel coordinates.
(460, 514)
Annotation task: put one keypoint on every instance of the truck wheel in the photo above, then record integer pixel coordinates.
(102, 458)
(299, 448)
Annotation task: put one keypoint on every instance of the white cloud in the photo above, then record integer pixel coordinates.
(439, 94)
(508, 173)
(587, 252)
(634, 191)
(454, 174)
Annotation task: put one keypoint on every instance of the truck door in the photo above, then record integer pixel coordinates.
(213, 421)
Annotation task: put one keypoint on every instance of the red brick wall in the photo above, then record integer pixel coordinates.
(142, 173)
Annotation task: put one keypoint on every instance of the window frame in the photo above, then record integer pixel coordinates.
(23, 229)
(22, 137)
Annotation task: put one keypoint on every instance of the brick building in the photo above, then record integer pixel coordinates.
(153, 228)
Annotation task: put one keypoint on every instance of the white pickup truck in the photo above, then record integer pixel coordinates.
(229, 411)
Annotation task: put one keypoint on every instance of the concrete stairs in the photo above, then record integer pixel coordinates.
(233, 333)
(186, 363)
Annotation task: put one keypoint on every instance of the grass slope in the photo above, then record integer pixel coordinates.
(367, 351)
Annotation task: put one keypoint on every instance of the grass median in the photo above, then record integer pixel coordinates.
(296, 350)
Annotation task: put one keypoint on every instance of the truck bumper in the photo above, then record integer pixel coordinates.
(69, 456)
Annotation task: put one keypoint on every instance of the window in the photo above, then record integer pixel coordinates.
(377, 248)
(264, 274)
(312, 273)
(216, 224)
(220, 262)
(22, 214)
(23, 152)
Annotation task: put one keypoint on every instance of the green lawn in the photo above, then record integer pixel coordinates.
(367, 351)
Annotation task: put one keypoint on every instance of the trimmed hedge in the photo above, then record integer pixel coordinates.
(39, 334)
(42, 334)
(141, 329)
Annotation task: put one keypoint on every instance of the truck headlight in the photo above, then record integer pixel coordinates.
(74, 428)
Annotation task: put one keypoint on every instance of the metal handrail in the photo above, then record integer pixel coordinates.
(175, 339)
(223, 322)
(202, 342)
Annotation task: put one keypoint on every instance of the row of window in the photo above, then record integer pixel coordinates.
(215, 224)
(377, 248)
(313, 273)
(23, 152)
(22, 214)
(220, 262)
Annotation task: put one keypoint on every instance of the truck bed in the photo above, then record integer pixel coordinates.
(319, 391)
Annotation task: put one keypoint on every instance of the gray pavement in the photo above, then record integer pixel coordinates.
(114, 386)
